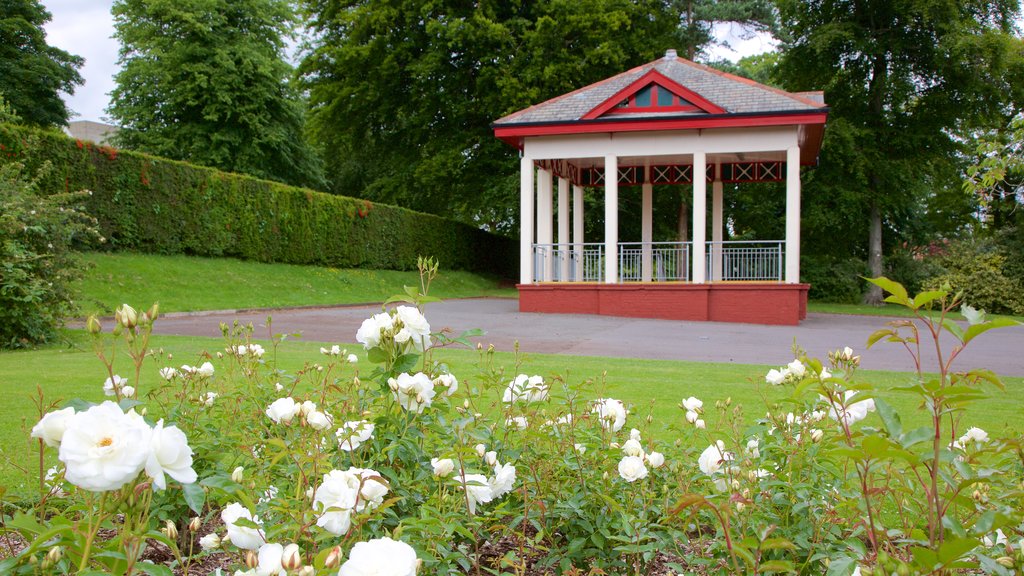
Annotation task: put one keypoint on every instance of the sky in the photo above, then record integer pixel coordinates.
(86, 28)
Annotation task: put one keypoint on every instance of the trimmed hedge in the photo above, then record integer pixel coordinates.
(149, 204)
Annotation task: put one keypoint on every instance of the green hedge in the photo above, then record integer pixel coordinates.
(151, 204)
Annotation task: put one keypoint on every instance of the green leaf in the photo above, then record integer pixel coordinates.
(925, 298)
(953, 328)
(895, 288)
(154, 569)
(977, 329)
(890, 418)
(406, 363)
(953, 549)
(776, 566)
(376, 355)
(195, 497)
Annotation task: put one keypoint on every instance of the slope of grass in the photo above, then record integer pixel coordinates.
(186, 283)
(652, 387)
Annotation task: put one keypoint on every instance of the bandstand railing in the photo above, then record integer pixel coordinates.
(668, 261)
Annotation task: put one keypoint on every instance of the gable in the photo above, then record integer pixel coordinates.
(653, 93)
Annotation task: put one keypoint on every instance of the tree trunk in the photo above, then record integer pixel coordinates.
(684, 222)
(874, 294)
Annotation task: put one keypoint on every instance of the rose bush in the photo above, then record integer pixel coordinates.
(397, 466)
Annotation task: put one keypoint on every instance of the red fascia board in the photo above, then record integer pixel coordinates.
(657, 77)
(636, 125)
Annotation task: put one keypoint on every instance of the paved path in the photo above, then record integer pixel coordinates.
(1001, 350)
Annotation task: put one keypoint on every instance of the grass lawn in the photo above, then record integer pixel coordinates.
(185, 283)
(651, 386)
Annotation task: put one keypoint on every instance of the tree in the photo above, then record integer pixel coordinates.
(903, 81)
(33, 73)
(206, 81)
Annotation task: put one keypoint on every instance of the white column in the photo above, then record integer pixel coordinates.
(793, 215)
(577, 229)
(544, 231)
(700, 208)
(526, 196)
(716, 227)
(646, 230)
(563, 229)
(611, 219)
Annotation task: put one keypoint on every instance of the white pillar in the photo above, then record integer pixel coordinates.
(577, 229)
(563, 229)
(526, 195)
(717, 248)
(544, 231)
(611, 219)
(793, 215)
(646, 230)
(700, 208)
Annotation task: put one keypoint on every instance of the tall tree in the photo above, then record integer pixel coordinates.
(33, 73)
(902, 78)
(403, 91)
(206, 81)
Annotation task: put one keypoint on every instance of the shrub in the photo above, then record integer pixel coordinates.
(151, 204)
(833, 279)
(494, 473)
(975, 267)
(37, 268)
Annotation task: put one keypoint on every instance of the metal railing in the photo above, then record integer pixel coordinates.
(745, 260)
(667, 261)
(568, 262)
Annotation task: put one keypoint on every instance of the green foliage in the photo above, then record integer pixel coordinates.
(833, 279)
(403, 94)
(37, 267)
(33, 73)
(8, 115)
(206, 82)
(811, 488)
(902, 79)
(976, 268)
(150, 204)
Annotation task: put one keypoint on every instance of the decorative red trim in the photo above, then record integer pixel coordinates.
(511, 133)
(655, 77)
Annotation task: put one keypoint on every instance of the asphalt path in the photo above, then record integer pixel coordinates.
(576, 334)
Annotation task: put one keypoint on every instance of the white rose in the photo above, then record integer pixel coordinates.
(693, 404)
(656, 459)
(478, 491)
(210, 542)
(52, 426)
(168, 373)
(334, 500)
(403, 336)
(206, 370)
(369, 332)
(416, 324)
(519, 422)
(480, 450)
(170, 454)
(634, 434)
(414, 392)
(113, 384)
(852, 411)
(269, 557)
(974, 434)
(797, 368)
(491, 458)
(712, 458)
(283, 410)
(526, 389)
(103, 448)
(580, 448)
(631, 469)
(691, 416)
(700, 424)
(352, 435)
(503, 480)
(449, 382)
(128, 391)
(611, 413)
(243, 537)
(633, 448)
(775, 377)
(752, 447)
(318, 420)
(380, 557)
(442, 466)
(373, 489)
(352, 358)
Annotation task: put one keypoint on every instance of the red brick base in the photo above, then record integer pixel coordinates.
(753, 303)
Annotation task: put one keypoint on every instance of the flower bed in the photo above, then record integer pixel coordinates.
(401, 467)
